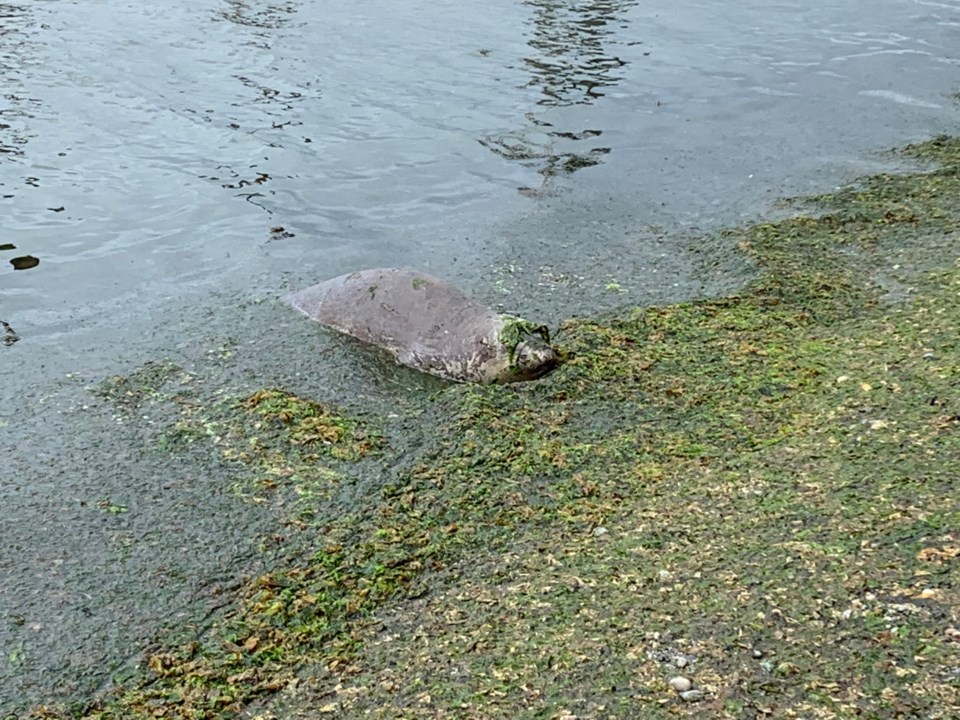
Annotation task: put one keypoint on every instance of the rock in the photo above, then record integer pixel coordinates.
(692, 695)
(681, 684)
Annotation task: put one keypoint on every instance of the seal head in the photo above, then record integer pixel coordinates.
(528, 351)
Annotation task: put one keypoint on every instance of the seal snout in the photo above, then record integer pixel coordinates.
(532, 360)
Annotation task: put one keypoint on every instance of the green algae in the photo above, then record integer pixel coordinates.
(274, 440)
(516, 330)
(763, 485)
(308, 423)
(147, 382)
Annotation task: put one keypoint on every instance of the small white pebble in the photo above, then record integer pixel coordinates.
(757, 653)
(681, 684)
(692, 695)
(600, 531)
(680, 661)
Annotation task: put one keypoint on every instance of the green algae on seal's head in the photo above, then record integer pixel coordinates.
(529, 353)
(429, 325)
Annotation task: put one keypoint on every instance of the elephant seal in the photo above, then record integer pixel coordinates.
(429, 325)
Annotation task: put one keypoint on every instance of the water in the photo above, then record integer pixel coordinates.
(175, 137)
(177, 166)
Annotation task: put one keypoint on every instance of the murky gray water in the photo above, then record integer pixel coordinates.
(173, 164)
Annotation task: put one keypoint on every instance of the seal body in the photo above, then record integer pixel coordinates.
(427, 324)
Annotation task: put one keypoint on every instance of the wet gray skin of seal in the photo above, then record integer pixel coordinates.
(429, 325)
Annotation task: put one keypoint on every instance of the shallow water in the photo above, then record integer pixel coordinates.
(176, 167)
(174, 138)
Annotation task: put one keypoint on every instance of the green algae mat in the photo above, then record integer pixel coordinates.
(745, 507)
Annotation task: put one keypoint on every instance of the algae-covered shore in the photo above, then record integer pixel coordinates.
(756, 493)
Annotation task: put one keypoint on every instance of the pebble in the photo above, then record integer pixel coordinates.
(600, 531)
(757, 653)
(692, 695)
(681, 684)
(680, 661)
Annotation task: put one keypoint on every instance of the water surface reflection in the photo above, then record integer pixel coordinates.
(16, 54)
(267, 15)
(572, 62)
(573, 41)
